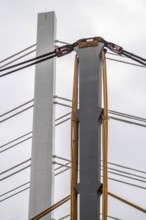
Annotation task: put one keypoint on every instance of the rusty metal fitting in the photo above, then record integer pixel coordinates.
(90, 42)
(114, 47)
(61, 51)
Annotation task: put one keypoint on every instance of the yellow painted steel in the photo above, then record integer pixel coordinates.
(74, 154)
(105, 141)
(74, 144)
(51, 208)
(127, 202)
(67, 198)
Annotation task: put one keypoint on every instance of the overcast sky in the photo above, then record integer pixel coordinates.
(120, 21)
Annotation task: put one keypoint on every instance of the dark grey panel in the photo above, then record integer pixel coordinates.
(90, 97)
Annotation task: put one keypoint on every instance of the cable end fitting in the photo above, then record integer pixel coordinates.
(61, 51)
(114, 47)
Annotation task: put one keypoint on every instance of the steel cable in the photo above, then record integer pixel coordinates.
(21, 68)
(17, 59)
(16, 139)
(28, 61)
(127, 183)
(17, 53)
(133, 55)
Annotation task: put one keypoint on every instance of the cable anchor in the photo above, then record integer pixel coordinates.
(89, 42)
(114, 47)
(61, 51)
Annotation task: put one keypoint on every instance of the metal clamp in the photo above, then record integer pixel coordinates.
(114, 47)
(61, 51)
(89, 42)
(77, 188)
(99, 114)
(99, 191)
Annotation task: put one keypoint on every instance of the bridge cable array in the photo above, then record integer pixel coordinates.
(61, 51)
(64, 50)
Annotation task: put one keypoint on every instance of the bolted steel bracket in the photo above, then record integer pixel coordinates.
(99, 114)
(78, 115)
(99, 190)
(91, 43)
(77, 188)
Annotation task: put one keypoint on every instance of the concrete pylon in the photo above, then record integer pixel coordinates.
(41, 187)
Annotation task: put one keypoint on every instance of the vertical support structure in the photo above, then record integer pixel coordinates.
(41, 187)
(74, 145)
(90, 97)
(105, 142)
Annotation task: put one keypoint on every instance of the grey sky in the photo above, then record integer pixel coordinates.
(122, 22)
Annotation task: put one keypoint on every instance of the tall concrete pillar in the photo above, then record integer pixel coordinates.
(90, 97)
(41, 186)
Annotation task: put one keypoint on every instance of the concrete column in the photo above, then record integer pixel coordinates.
(41, 187)
(90, 97)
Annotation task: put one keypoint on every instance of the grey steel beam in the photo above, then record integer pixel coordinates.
(90, 96)
(41, 188)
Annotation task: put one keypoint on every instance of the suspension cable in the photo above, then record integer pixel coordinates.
(125, 167)
(66, 165)
(61, 51)
(15, 166)
(10, 142)
(28, 61)
(14, 60)
(18, 53)
(125, 62)
(65, 105)
(14, 145)
(122, 175)
(121, 114)
(131, 174)
(22, 105)
(127, 183)
(51, 208)
(56, 175)
(26, 161)
(25, 109)
(127, 121)
(15, 194)
(18, 171)
(28, 183)
(111, 112)
(18, 187)
(127, 202)
(31, 64)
